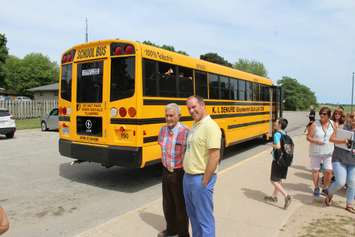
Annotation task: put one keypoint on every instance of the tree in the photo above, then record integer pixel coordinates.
(33, 70)
(3, 55)
(251, 66)
(166, 47)
(215, 58)
(296, 95)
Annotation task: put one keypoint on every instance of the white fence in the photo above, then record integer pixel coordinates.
(29, 109)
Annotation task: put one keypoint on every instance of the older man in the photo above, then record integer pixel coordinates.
(172, 140)
(200, 163)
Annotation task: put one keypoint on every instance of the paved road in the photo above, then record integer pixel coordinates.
(45, 196)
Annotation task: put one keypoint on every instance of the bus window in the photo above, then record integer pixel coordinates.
(225, 88)
(241, 90)
(122, 78)
(234, 88)
(150, 75)
(90, 80)
(201, 84)
(249, 91)
(256, 91)
(214, 86)
(265, 93)
(185, 82)
(66, 80)
(167, 80)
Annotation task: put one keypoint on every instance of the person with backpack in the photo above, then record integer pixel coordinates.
(321, 150)
(282, 158)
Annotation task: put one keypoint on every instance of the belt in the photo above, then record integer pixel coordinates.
(172, 170)
(195, 174)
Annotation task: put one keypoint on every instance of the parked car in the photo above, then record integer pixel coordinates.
(50, 121)
(7, 124)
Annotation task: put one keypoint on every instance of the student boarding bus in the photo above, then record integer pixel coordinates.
(112, 98)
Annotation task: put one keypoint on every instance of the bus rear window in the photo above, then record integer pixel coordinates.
(90, 82)
(122, 78)
(66, 80)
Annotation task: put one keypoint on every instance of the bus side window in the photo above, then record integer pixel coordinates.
(225, 88)
(185, 82)
(241, 90)
(150, 78)
(201, 84)
(234, 88)
(167, 80)
(256, 91)
(249, 91)
(214, 86)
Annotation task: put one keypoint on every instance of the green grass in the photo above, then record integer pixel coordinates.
(27, 123)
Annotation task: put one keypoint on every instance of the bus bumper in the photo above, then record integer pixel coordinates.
(130, 157)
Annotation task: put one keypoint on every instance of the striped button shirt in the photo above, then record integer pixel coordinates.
(173, 145)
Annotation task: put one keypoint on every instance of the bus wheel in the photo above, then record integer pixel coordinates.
(221, 152)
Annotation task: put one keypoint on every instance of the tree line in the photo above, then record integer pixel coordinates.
(35, 69)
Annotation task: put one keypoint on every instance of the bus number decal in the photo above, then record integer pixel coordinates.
(157, 55)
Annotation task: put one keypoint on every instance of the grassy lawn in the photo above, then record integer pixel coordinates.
(27, 123)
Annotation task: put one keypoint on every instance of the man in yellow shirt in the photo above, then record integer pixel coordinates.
(200, 163)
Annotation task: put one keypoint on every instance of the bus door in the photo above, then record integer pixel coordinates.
(90, 107)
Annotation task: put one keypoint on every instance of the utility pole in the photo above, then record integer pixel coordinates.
(352, 93)
(86, 30)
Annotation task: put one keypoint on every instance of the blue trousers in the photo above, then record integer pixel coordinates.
(344, 174)
(199, 205)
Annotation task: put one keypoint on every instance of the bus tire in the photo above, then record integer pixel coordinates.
(221, 151)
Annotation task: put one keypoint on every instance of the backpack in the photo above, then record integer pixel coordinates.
(286, 152)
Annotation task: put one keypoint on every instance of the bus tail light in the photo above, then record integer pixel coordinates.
(144, 133)
(65, 129)
(62, 111)
(122, 111)
(132, 112)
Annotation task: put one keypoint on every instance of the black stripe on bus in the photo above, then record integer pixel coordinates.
(182, 119)
(247, 124)
(64, 118)
(155, 138)
(150, 139)
(183, 102)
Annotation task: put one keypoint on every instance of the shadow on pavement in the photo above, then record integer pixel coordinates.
(300, 187)
(154, 220)
(300, 167)
(114, 178)
(258, 195)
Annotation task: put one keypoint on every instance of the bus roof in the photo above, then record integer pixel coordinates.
(180, 59)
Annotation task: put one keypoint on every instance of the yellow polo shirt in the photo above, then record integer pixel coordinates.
(204, 135)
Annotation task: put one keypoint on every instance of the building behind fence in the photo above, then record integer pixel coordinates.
(29, 109)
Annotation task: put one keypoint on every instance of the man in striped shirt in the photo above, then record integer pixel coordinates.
(172, 140)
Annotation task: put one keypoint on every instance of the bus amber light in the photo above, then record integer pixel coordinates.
(122, 111)
(132, 112)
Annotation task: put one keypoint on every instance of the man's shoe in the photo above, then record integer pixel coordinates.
(288, 200)
(270, 199)
(164, 233)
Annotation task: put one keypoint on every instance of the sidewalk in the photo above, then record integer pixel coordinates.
(239, 206)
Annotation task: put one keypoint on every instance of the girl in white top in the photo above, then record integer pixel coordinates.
(320, 149)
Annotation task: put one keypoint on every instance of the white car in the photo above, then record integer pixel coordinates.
(7, 124)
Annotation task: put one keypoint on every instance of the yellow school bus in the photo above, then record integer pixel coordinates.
(112, 97)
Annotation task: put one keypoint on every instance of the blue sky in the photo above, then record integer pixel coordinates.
(312, 41)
